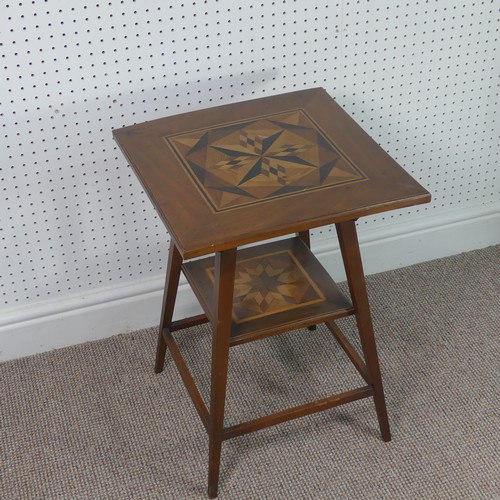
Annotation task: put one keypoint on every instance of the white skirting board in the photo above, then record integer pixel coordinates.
(72, 320)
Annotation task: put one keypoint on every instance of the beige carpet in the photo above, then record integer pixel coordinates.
(94, 422)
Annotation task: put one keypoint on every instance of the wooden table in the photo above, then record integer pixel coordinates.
(242, 173)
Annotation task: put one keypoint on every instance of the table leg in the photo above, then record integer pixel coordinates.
(225, 263)
(351, 255)
(169, 296)
(305, 237)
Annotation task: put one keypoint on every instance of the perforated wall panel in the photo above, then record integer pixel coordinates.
(420, 76)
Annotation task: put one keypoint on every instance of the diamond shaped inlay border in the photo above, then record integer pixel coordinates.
(267, 157)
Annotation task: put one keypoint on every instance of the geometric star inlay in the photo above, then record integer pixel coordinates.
(270, 284)
(256, 160)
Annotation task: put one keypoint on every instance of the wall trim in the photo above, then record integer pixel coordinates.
(61, 322)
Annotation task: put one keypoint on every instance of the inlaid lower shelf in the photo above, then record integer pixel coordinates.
(278, 286)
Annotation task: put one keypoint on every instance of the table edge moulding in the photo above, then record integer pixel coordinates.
(224, 177)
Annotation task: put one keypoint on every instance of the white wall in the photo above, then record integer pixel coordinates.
(82, 252)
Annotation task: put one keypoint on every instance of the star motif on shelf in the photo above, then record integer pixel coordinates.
(269, 157)
(271, 284)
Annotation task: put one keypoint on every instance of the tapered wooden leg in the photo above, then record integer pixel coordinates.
(169, 295)
(306, 238)
(351, 255)
(224, 285)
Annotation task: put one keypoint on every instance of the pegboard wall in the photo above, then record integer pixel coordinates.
(419, 76)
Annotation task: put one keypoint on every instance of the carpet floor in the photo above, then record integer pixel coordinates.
(94, 422)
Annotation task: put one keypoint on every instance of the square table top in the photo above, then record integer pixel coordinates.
(235, 174)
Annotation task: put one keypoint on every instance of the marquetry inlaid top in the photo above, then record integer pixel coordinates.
(252, 161)
(239, 173)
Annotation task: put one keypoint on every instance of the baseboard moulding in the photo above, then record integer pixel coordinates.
(53, 324)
